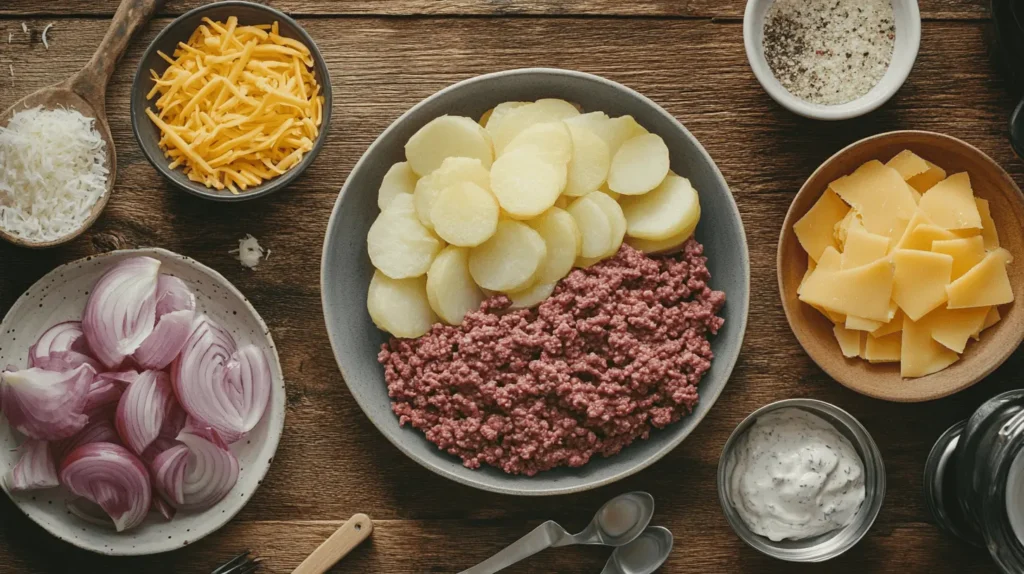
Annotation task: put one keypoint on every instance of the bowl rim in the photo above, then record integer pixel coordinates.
(865, 104)
(871, 454)
(336, 343)
(276, 408)
(278, 183)
(780, 261)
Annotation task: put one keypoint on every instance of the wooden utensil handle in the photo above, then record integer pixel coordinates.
(91, 82)
(357, 529)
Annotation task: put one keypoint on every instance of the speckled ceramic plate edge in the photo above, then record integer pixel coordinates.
(189, 527)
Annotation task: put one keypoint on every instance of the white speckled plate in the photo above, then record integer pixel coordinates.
(61, 296)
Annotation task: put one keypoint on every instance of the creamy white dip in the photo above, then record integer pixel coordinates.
(794, 476)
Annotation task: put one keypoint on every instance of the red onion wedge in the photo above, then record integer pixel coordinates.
(103, 391)
(169, 473)
(113, 478)
(211, 470)
(46, 405)
(65, 342)
(89, 511)
(99, 429)
(164, 508)
(35, 469)
(219, 385)
(143, 408)
(121, 310)
(175, 310)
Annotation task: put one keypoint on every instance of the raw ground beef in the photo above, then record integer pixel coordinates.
(617, 349)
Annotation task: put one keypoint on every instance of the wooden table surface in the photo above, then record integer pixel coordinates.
(386, 55)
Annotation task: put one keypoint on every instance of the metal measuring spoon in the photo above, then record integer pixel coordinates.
(617, 523)
(641, 556)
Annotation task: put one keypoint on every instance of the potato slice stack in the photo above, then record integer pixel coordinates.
(511, 204)
(906, 263)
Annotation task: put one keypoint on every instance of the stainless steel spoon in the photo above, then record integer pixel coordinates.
(642, 556)
(617, 523)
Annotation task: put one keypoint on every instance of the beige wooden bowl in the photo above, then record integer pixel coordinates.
(814, 331)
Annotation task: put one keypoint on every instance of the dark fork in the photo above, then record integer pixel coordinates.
(241, 564)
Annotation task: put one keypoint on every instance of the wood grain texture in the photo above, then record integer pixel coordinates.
(934, 9)
(332, 463)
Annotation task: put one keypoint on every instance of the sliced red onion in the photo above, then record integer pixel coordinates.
(121, 310)
(103, 391)
(46, 405)
(164, 508)
(100, 429)
(217, 384)
(61, 338)
(113, 478)
(124, 377)
(66, 361)
(169, 473)
(174, 422)
(175, 310)
(143, 408)
(89, 511)
(211, 470)
(35, 469)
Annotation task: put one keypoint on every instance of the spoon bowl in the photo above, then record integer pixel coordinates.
(643, 555)
(86, 92)
(621, 519)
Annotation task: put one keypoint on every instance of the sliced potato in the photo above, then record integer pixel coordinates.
(525, 183)
(498, 112)
(590, 162)
(532, 296)
(551, 138)
(516, 120)
(594, 225)
(450, 288)
(616, 218)
(400, 178)
(398, 244)
(670, 245)
(614, 131)
(400, 306)
(639, 165)
(664, 212)
(563, 240)
(453, 170)
(444, 137)
(465, 214)
(509, 260)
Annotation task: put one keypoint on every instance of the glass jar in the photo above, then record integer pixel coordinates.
(974, 479)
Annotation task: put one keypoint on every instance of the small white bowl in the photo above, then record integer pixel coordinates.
(908, 39)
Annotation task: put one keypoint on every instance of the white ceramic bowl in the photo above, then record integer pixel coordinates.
(61, 296)
(908, 39)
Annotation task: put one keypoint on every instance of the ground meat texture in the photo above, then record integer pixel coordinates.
(616, 350)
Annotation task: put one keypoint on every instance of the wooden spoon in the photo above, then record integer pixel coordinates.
(86, 92)
(353, 532)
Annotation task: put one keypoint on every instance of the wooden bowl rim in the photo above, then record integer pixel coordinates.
(840, 374)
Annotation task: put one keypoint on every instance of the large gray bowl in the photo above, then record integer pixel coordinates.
(346, 270)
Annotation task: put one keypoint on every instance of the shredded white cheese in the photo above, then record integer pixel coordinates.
(45, 30)
(249, 252)
(53, 169)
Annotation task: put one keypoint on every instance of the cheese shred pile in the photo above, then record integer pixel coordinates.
(53, 169)
(238, 105)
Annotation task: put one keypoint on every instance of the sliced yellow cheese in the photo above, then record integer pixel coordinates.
(921, 355)
(952, 327)
(966, 253)
(863, 291)
(991, 318)
(863, 247)
(880, 195)
(895, 325)
(920, 281)
(916, 220)
(815, 230)
(922, 236)
(987, 283)
(831, 260)
(922, 182)
(861, 324)
(883, 349)
(850, 342)
(908, 164)
(988, 225)
(811, 265)
(950, 203)
(842, 228)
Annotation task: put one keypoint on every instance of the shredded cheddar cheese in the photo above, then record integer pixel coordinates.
(238, 105)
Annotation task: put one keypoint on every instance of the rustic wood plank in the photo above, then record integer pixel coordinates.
(332, 462)
(932, 9)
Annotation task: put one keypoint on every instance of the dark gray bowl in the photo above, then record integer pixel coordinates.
(147, 134)
(346, 270)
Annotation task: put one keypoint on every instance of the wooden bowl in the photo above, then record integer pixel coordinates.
(814, 331)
